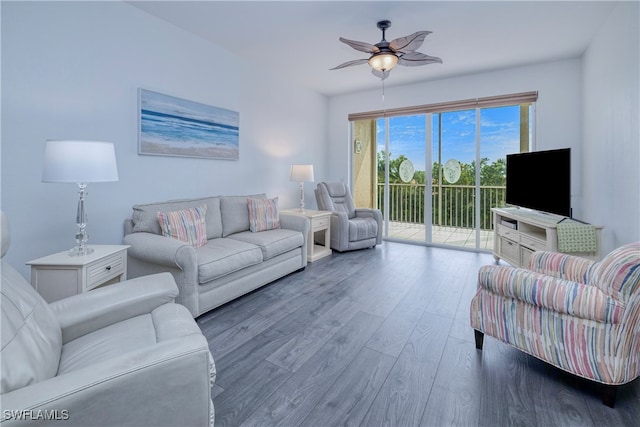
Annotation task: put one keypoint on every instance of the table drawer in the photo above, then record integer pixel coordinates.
(105, 270)
(509, 233)
(321, 223)
(533, 244)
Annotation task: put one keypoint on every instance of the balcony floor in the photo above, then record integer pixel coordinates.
(452, 236)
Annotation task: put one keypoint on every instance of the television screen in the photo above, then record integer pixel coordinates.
(540, 180)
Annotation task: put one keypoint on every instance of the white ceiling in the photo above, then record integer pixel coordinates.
(299, 39)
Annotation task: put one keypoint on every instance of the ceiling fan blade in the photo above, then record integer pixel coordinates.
(413, 59)
(409, 43)
(382, 74)
(350, 64)
(361, 46)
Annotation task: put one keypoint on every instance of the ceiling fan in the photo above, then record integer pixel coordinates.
(385, 55)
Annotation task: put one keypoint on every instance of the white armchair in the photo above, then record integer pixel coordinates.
(351, 228)
(124, 354)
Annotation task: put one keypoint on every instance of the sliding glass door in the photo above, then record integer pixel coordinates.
(438, 174)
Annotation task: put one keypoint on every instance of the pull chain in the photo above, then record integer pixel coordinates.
(382, 90)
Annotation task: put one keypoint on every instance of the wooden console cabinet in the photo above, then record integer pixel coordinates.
(518, 233)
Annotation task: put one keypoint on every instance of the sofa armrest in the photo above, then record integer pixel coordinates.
(295, 222)
(301, 224)
(89, 311)
(558, 295)
(563, 266)
(130, 389)
(161, 250)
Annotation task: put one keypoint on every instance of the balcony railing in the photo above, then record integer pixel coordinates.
(452, 205)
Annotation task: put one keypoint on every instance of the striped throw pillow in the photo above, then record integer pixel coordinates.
(186, 225)
(263, 214)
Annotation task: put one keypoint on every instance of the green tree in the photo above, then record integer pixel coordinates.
(394, 168)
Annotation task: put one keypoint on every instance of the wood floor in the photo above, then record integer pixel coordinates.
(382, 337)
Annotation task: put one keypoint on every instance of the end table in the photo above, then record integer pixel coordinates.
(320, 221)
(59, 275)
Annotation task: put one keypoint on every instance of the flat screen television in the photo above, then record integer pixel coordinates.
(540, 180)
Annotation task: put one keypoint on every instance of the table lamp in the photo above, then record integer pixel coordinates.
(80, 162)
(301, 173)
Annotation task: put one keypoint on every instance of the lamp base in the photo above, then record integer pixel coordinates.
(80, 251)
(81, 248)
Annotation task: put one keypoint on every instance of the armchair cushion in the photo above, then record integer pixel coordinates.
(558, 295)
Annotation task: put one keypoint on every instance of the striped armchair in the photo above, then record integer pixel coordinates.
(578, 315)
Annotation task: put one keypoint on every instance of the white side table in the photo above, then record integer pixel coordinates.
(320, 221)
(59, 275)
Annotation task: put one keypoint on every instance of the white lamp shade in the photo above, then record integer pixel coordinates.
(79, 162)
(301, 173)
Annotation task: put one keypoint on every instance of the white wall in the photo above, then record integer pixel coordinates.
(611, 171)
(558, 110)
(71, 70)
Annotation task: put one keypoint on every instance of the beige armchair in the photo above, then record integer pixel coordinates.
(122, 355)
(351, 228)
(578, 315)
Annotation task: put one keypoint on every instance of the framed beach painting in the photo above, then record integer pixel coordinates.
(170, 126)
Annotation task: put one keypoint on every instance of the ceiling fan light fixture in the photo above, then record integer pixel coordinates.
(383, 61)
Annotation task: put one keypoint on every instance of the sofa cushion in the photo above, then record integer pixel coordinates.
(31, 335)
(272, 242)
(361, 228)
(145, 217)
(186, 225)
(235, 213)
(263, 214)
(220, 257)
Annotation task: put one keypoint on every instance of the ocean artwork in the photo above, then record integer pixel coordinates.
(172, 126)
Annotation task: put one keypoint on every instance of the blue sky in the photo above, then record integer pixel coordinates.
(499, 135)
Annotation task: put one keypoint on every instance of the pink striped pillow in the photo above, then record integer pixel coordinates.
(263, 214)
(186, 225)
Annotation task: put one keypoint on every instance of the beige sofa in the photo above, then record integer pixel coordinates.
(234, 260)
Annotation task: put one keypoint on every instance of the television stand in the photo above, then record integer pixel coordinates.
(517, 233)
